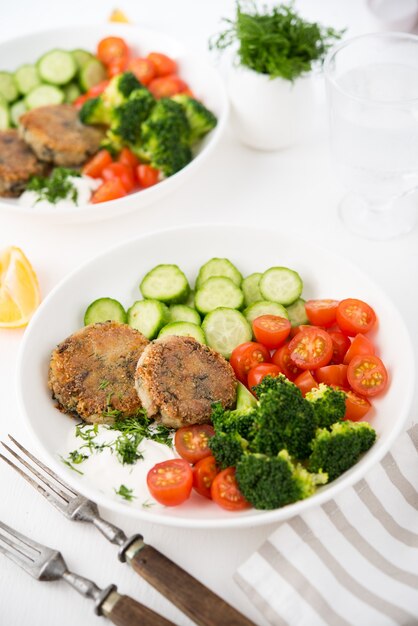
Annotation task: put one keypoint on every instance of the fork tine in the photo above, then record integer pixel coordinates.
(18, 552)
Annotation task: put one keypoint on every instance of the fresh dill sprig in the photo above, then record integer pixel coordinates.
(55, 187)
(70, 465)
(103, 384)
(125, 493)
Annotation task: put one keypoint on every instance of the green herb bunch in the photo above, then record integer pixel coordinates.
(58, 186)
(277, 41)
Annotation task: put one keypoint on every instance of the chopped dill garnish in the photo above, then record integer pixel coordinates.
(55, 187)
(77, 457)
(103, 384)
(70, 465)
(147, 504)
(125, 493)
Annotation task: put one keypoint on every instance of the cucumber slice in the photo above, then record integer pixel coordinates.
(104, 310)
(57, 67)
(218, 267)
(148, 316)
(81, 57)
(264, 308)
(183, 313)
(297, 313)
(166, 283)
(71, 92)
(225, 329)
(190, 299)
(27, 78)
(251, 289)
(8, 87)
(183, 329)
(5, 121)
(245, 399)
(16, 110)
(216, 292)
(281, 284)
(43, 96)
(91, 73)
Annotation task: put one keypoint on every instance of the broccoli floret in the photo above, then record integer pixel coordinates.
(271, 482)
(201, 120)
(128, 117)
(238, 421)
(335, 451)
(227, 448)
(284, 419)
(120, 88)
(328, 405)
(95, 111)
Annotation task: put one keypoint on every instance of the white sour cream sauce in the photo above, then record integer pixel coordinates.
(85, 186)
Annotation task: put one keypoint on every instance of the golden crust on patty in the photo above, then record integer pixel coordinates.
(92, 372)
(57, 136)
(178, 379)
(17, 164)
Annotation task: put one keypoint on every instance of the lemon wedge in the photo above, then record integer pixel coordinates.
(19, 289)
(118, 16)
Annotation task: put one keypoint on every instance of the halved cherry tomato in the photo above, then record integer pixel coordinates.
(167, 86)
(78, 102)
(111, 48)
(311, 348)
(360, 345)
(296, 329)
(257, 373)
(97, 89)
(191, 442)
(170, 482)
(163, 64)
(110, 190)
(143, 69)
(117, 66)
(248, 355)
(127, 157)
(226, 493)
(367, 375)
(305, 382)
(340, 345)
(282, 359)
(204, 473)
(333, 375)
(355, 316)
(147, 175)
(356, 407)
(122, 172)
(321, 312)
(96, 165)
(271, 330)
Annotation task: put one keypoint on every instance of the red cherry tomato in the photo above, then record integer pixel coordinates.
(226, 493)
(110, 190)
(117, 66)
(257, 373)
(143, 69)
(111, 48)
(167, 86)
(271, 330)
(355, 316)
(248, 355)
(191, 442)
(360, 345)
(296, 329)
(128, 158)
(340, 345)
(311, 348)
(97, 89)
(147, 176)
(367, 375)
(170, 482)
(333, 375)
(321, 312)
(204, 473)
(122, 172)
(356, 407)
(305, 382)
(96, 165)
(163, 64)
(282, 359)
(78, 102)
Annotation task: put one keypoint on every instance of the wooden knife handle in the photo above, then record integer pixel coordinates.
(125, 611)
(203, 606)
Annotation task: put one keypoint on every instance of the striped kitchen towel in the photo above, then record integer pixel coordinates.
(350, 562)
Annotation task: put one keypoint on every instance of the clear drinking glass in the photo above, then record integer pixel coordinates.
(372, 90)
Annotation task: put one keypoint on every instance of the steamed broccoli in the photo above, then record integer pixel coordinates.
(128, 117)
(227, 448)
(271, 482)
(120, 88)
(238, 421)
(284, 419)
(95, 111)
(201, 120)
(335, 451)
(328, 405)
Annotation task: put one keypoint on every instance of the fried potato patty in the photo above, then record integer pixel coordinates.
(17, 164)
(57, 136)
(91, 373)
(178, 379)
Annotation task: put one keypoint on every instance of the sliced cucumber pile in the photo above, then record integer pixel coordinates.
(220, 310)
(58, 76)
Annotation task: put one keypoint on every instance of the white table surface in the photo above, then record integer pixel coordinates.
(294, 190)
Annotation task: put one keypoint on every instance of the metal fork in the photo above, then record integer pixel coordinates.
(203, 606)
(44, 563)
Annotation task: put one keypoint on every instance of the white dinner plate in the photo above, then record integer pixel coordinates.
(195, 69)
(117, 273)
